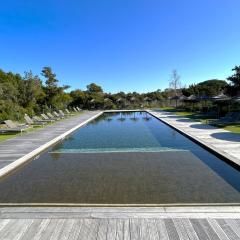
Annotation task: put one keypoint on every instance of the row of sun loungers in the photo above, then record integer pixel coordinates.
(37, 121)
(230, 118)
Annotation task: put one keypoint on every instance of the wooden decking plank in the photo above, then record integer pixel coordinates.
(74, 235)
(119, 229)
(192, 235)
(126, 229)
(32, 230)
(3, 223)
(48, 231)
(199, 229)
(111, 229)
(162, 231)
(180, 229)
(134, 229)
(57, 229)
(208, 229)
(67, 229)
(227, 229)
(16, 230)
(24, 226)
(152, 229)
(221, 234)
(7, 227)
(102, 229)
(43, 225)
(89, 229)
(143, 227)
(64, 230)
(171, 229)
(235, 225)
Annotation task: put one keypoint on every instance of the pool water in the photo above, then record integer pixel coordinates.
(124, 158)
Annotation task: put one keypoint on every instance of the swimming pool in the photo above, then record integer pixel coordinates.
(124, 158)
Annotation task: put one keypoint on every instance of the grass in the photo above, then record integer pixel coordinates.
(4, 137)
(200, 118)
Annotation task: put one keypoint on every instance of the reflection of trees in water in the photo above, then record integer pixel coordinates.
(122, 118)
(58, 146)
(146, 117)
(55, 156)
(100, 118)
(133, 117)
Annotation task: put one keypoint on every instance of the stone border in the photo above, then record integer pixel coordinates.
(119, 212)
(109, 205)
(12, 166)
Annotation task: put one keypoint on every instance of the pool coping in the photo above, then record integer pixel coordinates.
(17, 163)
(119, 212)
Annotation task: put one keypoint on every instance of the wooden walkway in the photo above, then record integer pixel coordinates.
(22, 145)
(219, 140)
(117, 224)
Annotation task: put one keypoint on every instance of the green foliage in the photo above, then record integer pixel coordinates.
(28, 94)
(234, 88)
(94, 88)
(208, 88)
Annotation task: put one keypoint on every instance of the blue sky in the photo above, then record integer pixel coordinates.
(128, 45)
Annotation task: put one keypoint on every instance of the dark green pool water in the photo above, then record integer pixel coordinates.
(124, 158)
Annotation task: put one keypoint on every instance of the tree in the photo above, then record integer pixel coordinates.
(94, 88)
(234, 88)
(51, 88)
(32, 94)
(79, 97)
(174, 82)
(207, 88)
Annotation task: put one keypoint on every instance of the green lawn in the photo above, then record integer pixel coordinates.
(4, 137)
(201, 118)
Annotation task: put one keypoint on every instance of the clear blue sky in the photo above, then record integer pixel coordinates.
(129, 45)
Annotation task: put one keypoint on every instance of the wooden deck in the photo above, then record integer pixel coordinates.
(119, 223)
(223, 142)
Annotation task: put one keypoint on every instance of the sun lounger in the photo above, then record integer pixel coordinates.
(12, 127)
(79, 109)
(69, 113)
(230, 118)
(33, 122)
(50, 116)
(61, 113)
(57, 115)
(36, 118)
(46, 117)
